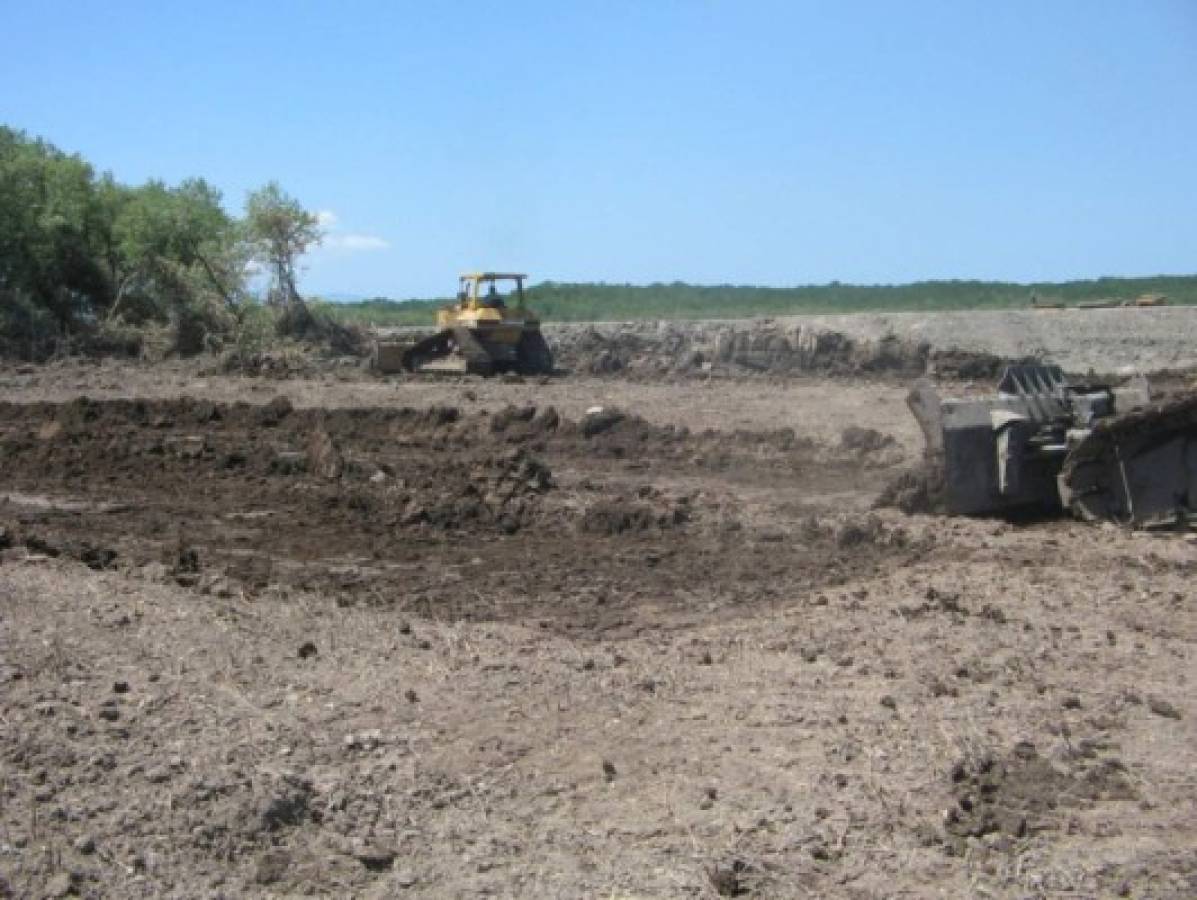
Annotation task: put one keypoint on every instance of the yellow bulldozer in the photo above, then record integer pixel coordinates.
(483, 332)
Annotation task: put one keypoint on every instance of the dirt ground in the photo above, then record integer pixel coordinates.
(341, 636)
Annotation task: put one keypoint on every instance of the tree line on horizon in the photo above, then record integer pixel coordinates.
(85, 258)
(582, 302)
(87, 261)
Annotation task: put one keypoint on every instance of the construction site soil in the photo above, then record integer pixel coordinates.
(599, 635)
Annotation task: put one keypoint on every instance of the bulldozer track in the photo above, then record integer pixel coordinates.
(1121, 470)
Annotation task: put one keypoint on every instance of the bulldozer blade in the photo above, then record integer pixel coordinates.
(449, 365)
(924, 403)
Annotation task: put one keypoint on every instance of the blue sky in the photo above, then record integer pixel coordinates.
(708, 141)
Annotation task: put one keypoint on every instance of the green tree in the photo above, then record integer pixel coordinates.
(281, 231)
(81, 254)
(175, 247)
(51, 228)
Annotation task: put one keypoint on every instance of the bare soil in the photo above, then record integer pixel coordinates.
(334, 635)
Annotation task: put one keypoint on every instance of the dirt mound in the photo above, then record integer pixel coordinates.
(870, 447)
(111, 481)
(353, 500)
(653, 350)
(865, 440)
(649, 510)
(1023, 792)
(94, 556)
(973, 365)
(500, 491)
(616, 517)
(917, 490)
(525, 421)
(406, 466)
(598, 352)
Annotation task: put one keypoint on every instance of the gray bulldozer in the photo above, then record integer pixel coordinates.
(1103, 453)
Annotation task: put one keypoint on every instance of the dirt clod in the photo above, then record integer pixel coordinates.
(615, 517)
(918, 490)
(1162, 707)
(286, 803)
(600, 419)
(61, 885)
(730, 879)
(275, 412)
(271, 867)
(864, 440)
(187, 561)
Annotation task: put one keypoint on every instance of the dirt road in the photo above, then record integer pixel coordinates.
(367, 638)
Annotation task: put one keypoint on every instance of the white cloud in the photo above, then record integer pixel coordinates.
(355, 242)
(349, 242)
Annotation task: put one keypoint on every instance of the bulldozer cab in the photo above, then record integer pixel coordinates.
(485, 290)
